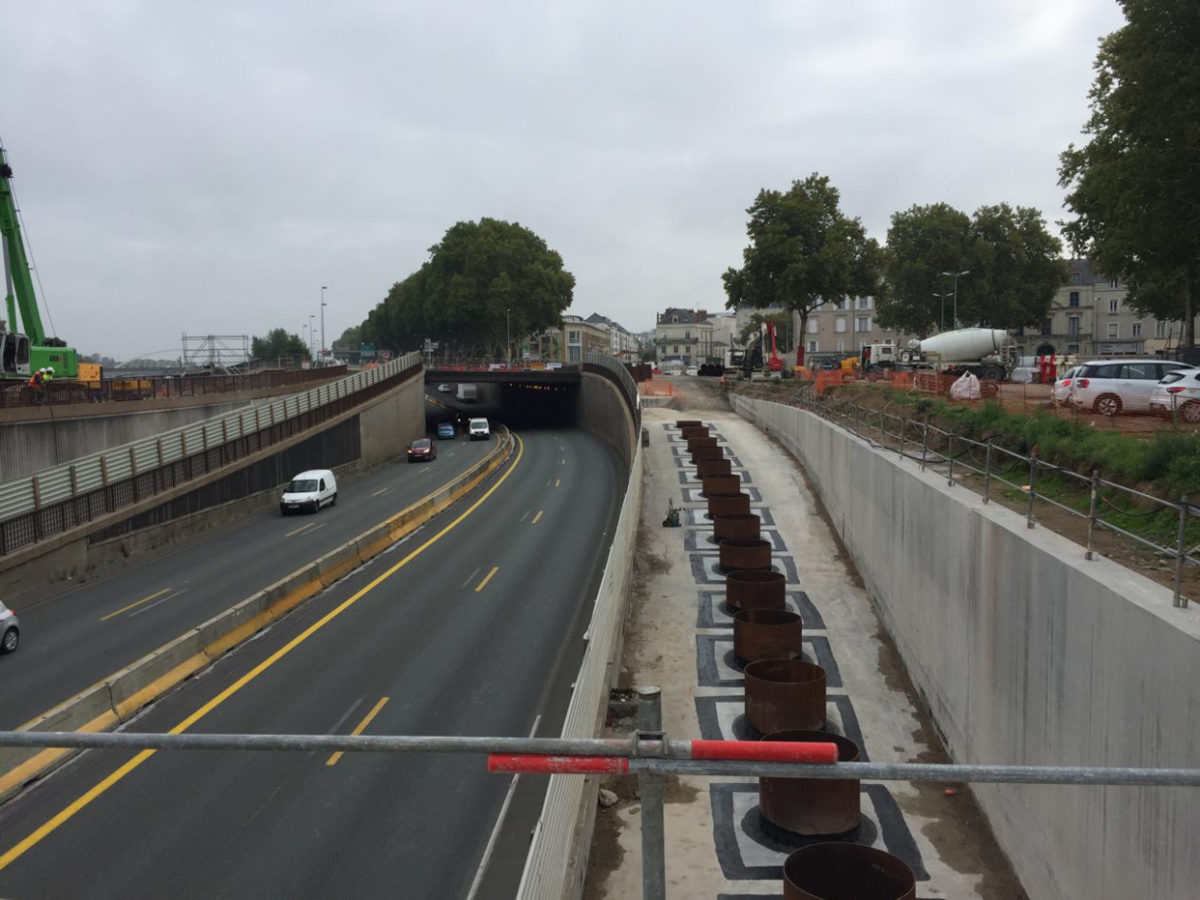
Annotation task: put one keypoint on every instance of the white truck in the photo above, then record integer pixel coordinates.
(989, 353)
(468, 393)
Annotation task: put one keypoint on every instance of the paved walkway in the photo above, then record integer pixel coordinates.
(680, 638)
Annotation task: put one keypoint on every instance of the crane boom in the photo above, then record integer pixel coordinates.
(26, 346)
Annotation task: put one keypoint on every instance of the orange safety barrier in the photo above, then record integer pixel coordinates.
(902, 380)
(653, 388)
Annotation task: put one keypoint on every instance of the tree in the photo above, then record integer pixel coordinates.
(484, 283)
(803, 251)
(278, 344)
(1134, 188)
(1012, 260)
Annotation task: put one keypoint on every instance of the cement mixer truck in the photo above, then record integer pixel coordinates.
(989, 353)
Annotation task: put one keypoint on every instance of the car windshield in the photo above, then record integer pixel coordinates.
(421, 444)
(302, 485)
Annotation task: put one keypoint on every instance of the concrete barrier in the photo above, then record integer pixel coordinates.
(1027, 654)
(156, 673)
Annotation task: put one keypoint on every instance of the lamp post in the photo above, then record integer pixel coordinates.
(943, 299)
(323, 290)
(312, 334)
(955, 276)
(508, 335)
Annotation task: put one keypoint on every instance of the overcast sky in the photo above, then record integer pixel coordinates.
(206, 168)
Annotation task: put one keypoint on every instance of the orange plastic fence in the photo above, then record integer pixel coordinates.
(654, 388)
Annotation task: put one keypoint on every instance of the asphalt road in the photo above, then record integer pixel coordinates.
(73, 640)
(472, 626)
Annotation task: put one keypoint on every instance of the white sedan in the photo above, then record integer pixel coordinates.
(1178, 392)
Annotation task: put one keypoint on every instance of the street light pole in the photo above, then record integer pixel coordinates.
(508, 335)
(312, 334)
(943, 299)
(323, 290)
(955, 276)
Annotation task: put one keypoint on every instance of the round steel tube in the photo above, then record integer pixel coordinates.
(747, 553)
(754, 590)
(766, 634)
(720, 484)
(736, 526)
(811, 805)
(726, 504)
(841, 871)
(784, 695)
(719, 466)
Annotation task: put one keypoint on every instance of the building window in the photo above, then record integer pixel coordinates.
(572, 337)
(862, 323)
(864, 302)
(839, 325)
(1115, 283)
(1073, 299)
(1160, 329)
(813, 346)
(813, 326)
(841, 346)
(1072, 326)
(676, 349)
(1072, 348)
(1114, 305)
(1114, 329)
(1045, 328)
(1136, 330)
(1074, 278)
(840, 304)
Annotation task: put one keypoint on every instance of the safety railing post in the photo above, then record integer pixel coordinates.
(987, 474)
(1092, 513)
(1180, 601)
(1032, 487)
(650, 787)
(950, 460)
(924, 443)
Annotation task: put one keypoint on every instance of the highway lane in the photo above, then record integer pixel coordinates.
(476, 631)
(73, 640)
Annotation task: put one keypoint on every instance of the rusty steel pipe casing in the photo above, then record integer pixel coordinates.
(720, 484)
(735, 527)
(784, 695)
(755, 590)
(694, 431)
(767, 634)
(689, 423)
(719, 466)
(746, 553)
(836, 869)
(728, 504)
(812, 805)
(695, 443)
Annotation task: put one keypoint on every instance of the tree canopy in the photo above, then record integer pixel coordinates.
(485, 282)
(803, 251)
(1011, 263)
(1134, 188)
(278, 344)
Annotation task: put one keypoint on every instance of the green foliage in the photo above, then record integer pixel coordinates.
(485, 281)
(278, 344)
(1011, 259)
(1135, 186)
(802, 252)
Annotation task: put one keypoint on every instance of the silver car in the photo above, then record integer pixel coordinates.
(1062, 386)
(1114, 386)
(10, 630)
(1178, 394)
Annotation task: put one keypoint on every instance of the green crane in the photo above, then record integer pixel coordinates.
(24, 352)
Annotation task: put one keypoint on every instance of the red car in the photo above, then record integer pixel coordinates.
(422, 450)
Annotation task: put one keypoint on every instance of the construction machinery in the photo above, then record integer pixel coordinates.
(24, 345)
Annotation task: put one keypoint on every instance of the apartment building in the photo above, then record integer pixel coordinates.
(842, 326)
(683, 336)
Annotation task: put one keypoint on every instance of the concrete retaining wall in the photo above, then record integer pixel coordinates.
(1027, 654)
(391, 424)
(604, 414)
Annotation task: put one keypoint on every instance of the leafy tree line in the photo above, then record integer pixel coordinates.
(278, 344)
(485, 282)
(1134, 189)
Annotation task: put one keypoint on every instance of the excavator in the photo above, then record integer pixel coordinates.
(24, 352)
(755, 358)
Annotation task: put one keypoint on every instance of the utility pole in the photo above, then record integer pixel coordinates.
(943, 297)
(508, 335)
(955, 276)
(323, 290)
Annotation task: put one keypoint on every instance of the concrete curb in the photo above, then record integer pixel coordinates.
(124, 693)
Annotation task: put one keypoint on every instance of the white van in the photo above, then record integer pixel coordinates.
(309, 491)
(478, 430)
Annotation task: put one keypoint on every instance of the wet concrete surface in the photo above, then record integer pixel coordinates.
(679, 637)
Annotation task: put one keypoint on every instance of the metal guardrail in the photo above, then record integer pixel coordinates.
(47, 503)
(932, 446)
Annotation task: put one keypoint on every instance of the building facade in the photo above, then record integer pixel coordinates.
(683, 336)
(839, 328)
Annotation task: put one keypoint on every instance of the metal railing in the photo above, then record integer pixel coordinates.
(968, 461)
(52, 501)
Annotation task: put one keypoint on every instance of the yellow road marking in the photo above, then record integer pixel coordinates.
(332, 761)
(479, 587)
(300, 529)
(535, 518)
(68, 812)
(166, 590)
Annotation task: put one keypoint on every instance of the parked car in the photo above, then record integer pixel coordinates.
(1178, 393)
(10, 630)
(309, 491)
(1062, 386)
(693, 370)
(422, 450)
(445, 430)
(479, 430)
(1114, 386)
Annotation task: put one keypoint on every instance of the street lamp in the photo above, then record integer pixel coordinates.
(943, 299)
(312, 334)
(508, 335)
(323, 290)
(955, 276)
